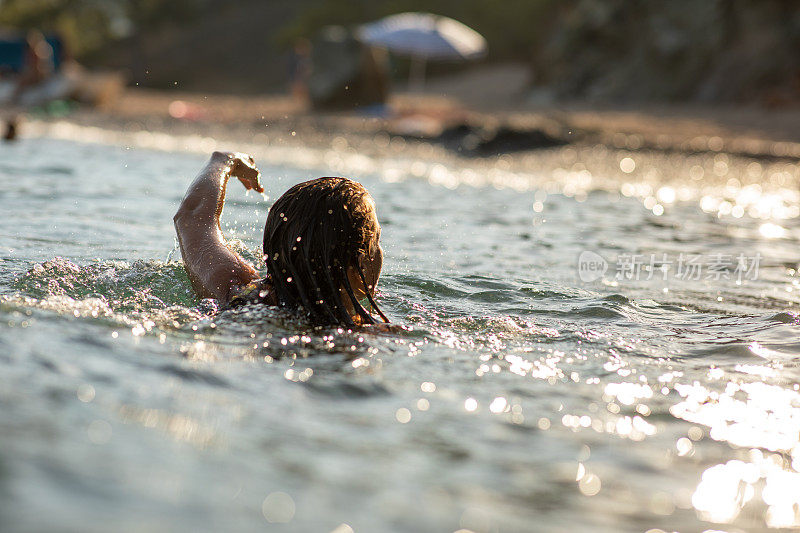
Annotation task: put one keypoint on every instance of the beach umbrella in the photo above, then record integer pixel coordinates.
(424, 37)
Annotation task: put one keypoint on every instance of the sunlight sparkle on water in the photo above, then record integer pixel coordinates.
(751, 414)
(772, 231)
(726, 489)
(278, 508)
(756, 415)
(403, 415)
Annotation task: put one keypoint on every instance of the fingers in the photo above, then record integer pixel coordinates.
(251, 183)
(245, 160)
(244, 168)
(249, 172)
(246, 183)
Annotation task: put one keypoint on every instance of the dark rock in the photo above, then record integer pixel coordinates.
(722, 50)
(477, 141)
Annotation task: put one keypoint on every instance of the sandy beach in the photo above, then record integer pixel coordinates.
(422, 121)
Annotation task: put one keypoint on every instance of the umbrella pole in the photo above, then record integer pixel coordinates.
(416, 73)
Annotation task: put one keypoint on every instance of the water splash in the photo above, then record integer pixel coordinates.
(140, 295)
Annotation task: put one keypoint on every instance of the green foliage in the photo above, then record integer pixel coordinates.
(89, 25)
(512, 27)
(85, 24)
(155, 13)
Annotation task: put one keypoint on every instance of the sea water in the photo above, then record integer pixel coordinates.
(598, 340)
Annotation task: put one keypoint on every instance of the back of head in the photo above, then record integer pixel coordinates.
(314, 233)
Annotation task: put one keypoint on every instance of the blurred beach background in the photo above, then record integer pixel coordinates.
(672, 75)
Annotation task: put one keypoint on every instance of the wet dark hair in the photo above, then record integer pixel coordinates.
(314, 233)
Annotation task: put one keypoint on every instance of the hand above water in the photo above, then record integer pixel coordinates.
(244, 168)
(214, 269)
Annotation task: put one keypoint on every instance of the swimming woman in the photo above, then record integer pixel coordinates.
(320, 245)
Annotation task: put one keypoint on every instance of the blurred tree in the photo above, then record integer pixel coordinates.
(151, 14)
(90, 25)
(84, 24)
(148, 16)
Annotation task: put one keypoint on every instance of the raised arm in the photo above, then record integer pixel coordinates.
(214, 269)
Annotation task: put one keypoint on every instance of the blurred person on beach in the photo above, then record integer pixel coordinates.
(10, 132)
(321, 246)
(38, 67)
(39, 64)
(299, 69)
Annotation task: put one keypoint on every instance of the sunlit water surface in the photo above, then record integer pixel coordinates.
(522, 399)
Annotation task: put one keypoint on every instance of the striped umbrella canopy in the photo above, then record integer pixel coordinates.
(424, 36)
